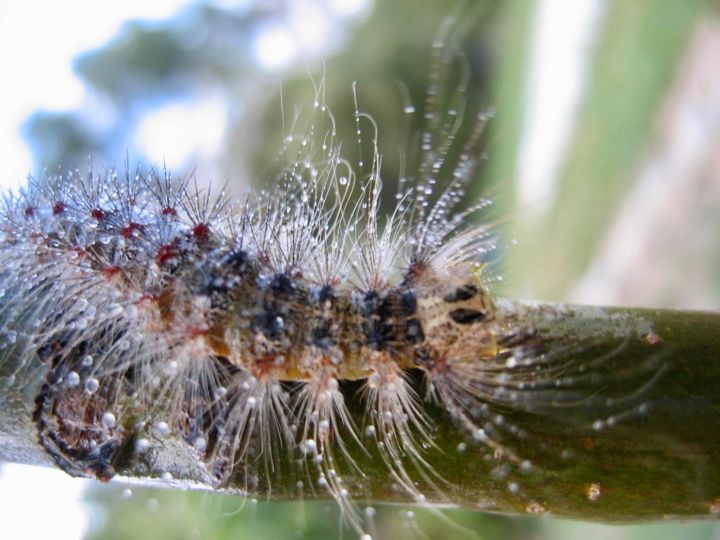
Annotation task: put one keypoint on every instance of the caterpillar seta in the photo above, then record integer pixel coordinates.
(161, 307)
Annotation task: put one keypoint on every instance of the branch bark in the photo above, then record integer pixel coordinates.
(641, 442)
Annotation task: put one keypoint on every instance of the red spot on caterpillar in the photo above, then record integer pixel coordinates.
(111, 271)
(264, 360)
(131, 230)
(416, 268)
(197, 331)
(165, 254)
(264, 364)
(167, 211)
(58, 208)
(148, 298)
(201, 230)
(98, 213)
(29, 212)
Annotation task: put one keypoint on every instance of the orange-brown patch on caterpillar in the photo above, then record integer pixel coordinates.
(215, 338)
(166, 300)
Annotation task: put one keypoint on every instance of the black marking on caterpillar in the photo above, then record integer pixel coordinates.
(466, 292)
(467, 316)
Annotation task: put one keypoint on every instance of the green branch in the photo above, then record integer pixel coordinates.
(633, 435)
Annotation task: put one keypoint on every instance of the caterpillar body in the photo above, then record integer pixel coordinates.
(155, 304)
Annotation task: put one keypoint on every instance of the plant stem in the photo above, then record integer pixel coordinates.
(640, 442)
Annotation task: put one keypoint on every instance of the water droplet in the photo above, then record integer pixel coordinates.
(72, 379)
(310, 446)
(92, 385)
(108, 420)
(114, 310)
(200, 444)
(142, 445)
(480, 435)
(161, 428)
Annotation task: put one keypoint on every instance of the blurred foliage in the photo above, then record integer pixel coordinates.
(635, 62)
(143, 66)
(205, 47)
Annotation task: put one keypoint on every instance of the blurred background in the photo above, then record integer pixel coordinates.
(604, 164)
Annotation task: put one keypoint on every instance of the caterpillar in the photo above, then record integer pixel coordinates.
(160, 306)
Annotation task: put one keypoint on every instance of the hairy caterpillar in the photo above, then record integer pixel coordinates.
(159, 306)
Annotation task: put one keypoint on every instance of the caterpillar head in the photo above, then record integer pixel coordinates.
(455, 307)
